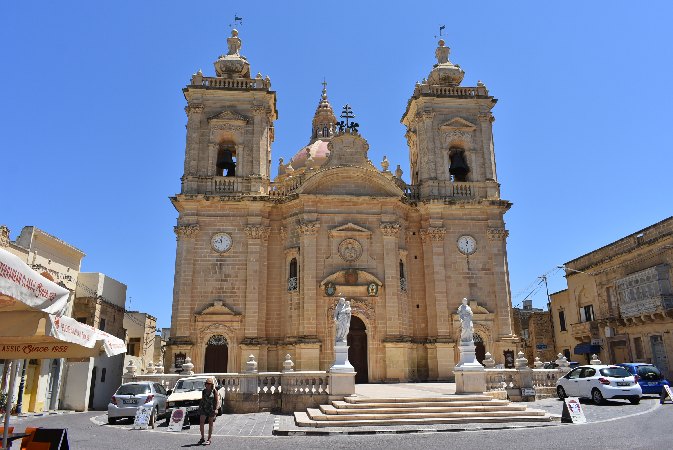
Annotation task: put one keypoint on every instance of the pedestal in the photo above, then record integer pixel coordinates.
(341, 363)
(470, 375)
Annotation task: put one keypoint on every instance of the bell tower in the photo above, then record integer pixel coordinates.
(229, 128)
(449, 133)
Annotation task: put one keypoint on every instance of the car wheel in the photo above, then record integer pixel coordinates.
(153, 417)
(111, 420)
(597, 396)
(561, 392)
(634, 400)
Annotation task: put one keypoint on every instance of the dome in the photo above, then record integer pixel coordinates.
(318, 151)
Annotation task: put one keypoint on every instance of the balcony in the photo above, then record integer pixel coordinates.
(292, 284)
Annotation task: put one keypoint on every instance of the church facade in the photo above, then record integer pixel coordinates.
(261, 263)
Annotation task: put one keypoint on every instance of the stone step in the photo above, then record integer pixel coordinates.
(302, 419)
(317, 415)
(414, 404)
(444, 398)
(330, 409)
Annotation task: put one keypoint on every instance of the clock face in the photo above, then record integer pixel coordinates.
(221, 242)
(467, 244)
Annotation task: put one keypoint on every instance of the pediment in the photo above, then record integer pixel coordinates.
(229, 116)
(218, 308)
(350, 229)
(351, 181)
(458, 123)
(364, 278)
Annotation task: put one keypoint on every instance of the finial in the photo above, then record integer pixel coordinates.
(234, 32)
(324, 89)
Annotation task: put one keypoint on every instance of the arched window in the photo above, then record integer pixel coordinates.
(402, 269)
(226, 160)
(458, 168)
(325, 132)
(292, 281)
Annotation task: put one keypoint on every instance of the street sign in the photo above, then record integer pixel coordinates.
(667, 392)
(142, 418)
(541, 346)
(597, 342)
(177, 419)
(572, 411)
(527, 392)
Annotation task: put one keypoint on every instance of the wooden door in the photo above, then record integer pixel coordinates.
(357, 351)
(217, 355)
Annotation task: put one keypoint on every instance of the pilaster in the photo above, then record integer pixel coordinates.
(497, 237)
(256, 279)
(184, 273)
(433, 250)
(390, 231)
(486, 120)
(308, 232)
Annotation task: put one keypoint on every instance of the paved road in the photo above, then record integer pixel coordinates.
(646, 426)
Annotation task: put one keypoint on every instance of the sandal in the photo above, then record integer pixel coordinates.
(207, 443)
(201, 441)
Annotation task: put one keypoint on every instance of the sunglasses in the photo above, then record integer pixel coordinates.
(209, 383)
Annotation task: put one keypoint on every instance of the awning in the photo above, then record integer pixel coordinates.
(586, 347)
(21, 287)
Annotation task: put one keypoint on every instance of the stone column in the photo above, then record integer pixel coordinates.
(259, 153)
(256, 279)
(307, 285)
(438, 309)
(486, 120)
(390, 231)
(184, 275)
(497, 243)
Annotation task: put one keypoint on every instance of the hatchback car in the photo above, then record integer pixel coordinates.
(648, 376)
(599, 382)
(125, 402)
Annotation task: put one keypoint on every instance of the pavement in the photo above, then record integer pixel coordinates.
(269, 424)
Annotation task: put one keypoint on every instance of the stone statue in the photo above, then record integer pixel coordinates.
(233, 43)
(442, 53)
(466, 328)
(342, 318)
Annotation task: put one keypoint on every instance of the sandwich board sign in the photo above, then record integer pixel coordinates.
(142, 418)
(666, 392)
(572, 411)
(177, 419)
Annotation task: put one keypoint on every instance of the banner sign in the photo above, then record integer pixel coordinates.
(21, 283)
(177, 419)
(142, 419)
(572, 411)
(70, 330)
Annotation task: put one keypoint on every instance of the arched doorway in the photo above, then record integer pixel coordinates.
(217, 354)
(480, 349)
(357, 351)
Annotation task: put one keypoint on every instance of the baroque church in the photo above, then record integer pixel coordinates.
(261, 262)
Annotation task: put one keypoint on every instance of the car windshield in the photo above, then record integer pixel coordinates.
(190, 385)
(649, 373)
(133, 389)
(616, 372)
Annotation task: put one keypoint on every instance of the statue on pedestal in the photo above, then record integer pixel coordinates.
(466, 327)
(342, 319)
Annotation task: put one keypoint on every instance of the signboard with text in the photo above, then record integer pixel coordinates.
(572, 411)
(142, 418)
(177, 419)
(667, 393)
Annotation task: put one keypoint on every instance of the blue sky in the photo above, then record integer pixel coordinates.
(92, 129)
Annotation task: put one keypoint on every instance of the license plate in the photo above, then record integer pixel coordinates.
(623, 383)
(131, 401)
(192, 408)
(652, 383)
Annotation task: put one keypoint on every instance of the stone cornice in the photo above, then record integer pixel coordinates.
(196, 108)
(433, 234)
(186, 231)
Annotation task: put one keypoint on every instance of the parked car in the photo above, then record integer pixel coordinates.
(648, 376)
(187, 393)
(129, 396)
(599, 382)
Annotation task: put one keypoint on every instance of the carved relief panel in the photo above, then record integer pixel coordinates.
(349, 246)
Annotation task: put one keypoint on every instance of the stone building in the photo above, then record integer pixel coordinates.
(260, 263)
(619, 301)
(534, 327)
(100, 301)
(141, 331)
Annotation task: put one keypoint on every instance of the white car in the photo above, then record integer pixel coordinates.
(129, 396)
(599, 382)
(187, 393)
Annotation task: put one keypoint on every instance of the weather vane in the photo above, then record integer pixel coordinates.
(238, 21)
(347, 113)
(441, 31)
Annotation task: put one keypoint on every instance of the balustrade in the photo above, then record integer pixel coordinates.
(234, 83)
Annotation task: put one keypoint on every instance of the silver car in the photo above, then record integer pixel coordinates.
(125, 402)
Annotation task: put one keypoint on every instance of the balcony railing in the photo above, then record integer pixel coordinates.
(234, 83)
(403, 284)
(292, 284)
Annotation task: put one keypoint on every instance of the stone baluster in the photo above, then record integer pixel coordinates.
(488, 362)
(538, 363)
